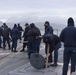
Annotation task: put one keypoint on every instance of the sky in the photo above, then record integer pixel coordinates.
(60, 8)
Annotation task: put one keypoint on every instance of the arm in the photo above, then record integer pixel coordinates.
(50, 29)
(18, 34)
(62, 36)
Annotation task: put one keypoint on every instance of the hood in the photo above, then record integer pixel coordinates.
(70, 22)
(32, 25)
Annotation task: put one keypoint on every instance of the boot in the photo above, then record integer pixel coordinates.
(54, 65)
(15, 51)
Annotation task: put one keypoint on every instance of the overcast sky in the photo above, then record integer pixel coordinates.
(65, 8)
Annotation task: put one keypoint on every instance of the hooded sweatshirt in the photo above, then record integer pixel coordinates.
(68, 34)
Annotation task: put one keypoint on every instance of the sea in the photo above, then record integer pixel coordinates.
(56, 31)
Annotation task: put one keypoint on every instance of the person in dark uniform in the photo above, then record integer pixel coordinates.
(48, 30)
(20, 30)
(4, 25)
(54, 44)
(14, 35)
(25, 37)
(32, 33)
(6, 33)
(38, 40)
(0, 36)
(68, 37)
(57, 45)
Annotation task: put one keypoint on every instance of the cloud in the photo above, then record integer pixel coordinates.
(41, 8)
(36, 4)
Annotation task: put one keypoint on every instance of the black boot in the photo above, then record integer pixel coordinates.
(0, 46)
(54, 64)
(15, 50)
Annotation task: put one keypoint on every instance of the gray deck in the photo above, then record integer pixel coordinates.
(18, 63)
(29, 70)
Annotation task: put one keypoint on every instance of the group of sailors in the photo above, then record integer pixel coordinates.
(10, 35)
(32, 39)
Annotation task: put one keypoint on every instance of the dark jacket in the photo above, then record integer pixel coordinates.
(19, 28)
(68, 36)
(15, 33)
(25, 33)
(1, 30)
(48, 29)
(32, 33)
(52, 40)
(38, 30)
(6, 32)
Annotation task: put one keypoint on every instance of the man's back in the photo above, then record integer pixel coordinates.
(14, 33)
(19, 28)
(1, 31)
(6, 32)
(68, 36)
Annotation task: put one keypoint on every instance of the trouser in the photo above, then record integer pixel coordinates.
(31, 48)
(25, 44)
(69, 53)
(4, 41)
(56, 52)
(0, 41)
(38, 45)
(20, 35)
(14, 43)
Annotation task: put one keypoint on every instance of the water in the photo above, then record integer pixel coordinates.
(57, 32)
